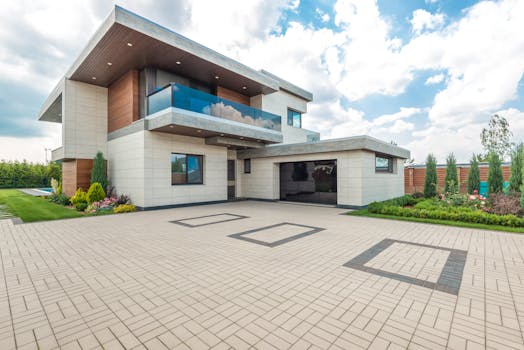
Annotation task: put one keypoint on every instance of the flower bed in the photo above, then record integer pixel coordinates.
(463, 208)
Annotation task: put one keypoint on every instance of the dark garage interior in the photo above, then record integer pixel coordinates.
(310, 181)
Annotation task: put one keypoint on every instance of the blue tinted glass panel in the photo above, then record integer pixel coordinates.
(194, 170)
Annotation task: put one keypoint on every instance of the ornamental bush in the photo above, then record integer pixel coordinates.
(517, 158)
(95, 193)
(473, 176)
(451, 182)
(431, 180)
(495, 178)
(125, 208)
(79, 197)
(98, 173)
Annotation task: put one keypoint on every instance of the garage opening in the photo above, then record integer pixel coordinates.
(311, 182)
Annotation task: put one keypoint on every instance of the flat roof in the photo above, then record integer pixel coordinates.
(362, 142)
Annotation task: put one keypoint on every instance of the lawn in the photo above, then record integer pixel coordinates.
(365, 212)
(30, 208)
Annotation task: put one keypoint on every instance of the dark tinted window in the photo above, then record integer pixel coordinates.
(294, 118)
(187, 169)
(383, 164)
(247, 166)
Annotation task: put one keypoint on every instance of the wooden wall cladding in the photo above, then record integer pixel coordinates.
(69, 177)
(123, 106)
(232, 95)
(76, 174)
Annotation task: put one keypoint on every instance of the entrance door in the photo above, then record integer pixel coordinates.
(230, 179)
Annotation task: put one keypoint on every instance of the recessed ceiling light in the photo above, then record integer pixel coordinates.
(199, 130)
(178, 62)
(171, 126)
(244, 87)
(258, 140)
(129, 44)
(221, 134)
(109, 63)
(94, 78)
(217, 77)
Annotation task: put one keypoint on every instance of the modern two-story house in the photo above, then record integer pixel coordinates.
(182, 124)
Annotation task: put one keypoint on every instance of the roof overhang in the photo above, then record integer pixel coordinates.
(51, 110)
(289, 87)
(335, 145)
(107, 56)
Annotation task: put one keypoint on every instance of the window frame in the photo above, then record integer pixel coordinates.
(390, 169)
(290, 120)
(247, 169)
(187, 155)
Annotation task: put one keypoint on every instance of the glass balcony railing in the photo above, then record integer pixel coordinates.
(179, 96)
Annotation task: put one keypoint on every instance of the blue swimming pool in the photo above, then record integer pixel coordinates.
(46, 189)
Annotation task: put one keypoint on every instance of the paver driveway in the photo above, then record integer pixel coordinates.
(176, 279)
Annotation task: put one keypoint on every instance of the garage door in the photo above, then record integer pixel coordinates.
(311, 182)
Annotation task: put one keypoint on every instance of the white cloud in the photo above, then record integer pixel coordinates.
(424, 20)
(31, 149)
(482, 55)
(435, 79)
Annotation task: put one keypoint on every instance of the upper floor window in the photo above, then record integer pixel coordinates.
(383, 164)
(294, 118)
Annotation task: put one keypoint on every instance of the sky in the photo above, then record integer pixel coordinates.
(424, 74)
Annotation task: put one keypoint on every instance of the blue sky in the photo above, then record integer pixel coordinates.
(425, 74)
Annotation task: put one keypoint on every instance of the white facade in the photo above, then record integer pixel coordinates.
(84, 120)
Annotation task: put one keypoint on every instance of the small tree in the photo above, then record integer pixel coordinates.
(431, 180)
(473, 175)
(496, 138)
(495, 178)
(451, 184)
(98, 173)
(517, 157)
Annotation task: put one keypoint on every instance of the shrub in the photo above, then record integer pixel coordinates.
(495, 178)
(54, 185)
(123, 199)
(95, 193)
(517, 158)
(59, 189)
(451, 183)
(451, 213)
(79, 197)
(81, 206)
(417, 195)
(502, 204)
(431, 180)
(124, 208)
(473, 176)
(98, 173)
(61, 199)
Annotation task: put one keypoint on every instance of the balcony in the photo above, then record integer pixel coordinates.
(182, 97)
(57, 154)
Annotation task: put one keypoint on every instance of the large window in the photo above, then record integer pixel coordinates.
(187, 169)
(383, 164)
(294, 118)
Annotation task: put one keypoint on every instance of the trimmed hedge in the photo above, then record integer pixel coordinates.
(449, 213)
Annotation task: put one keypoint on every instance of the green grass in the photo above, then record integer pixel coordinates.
(30, 208)
(365, 212)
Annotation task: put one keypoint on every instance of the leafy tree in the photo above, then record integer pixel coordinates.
(495, 178)
(431, 180)
(496, 138)
(473, 175)
(98, 173)
(517, 160)
(451, 184)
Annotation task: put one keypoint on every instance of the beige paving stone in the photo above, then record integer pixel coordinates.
(137, 281)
